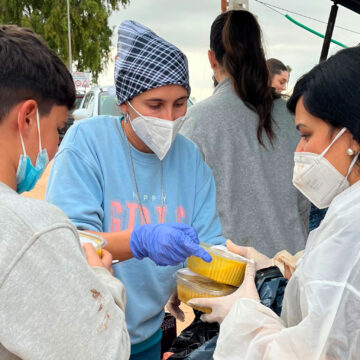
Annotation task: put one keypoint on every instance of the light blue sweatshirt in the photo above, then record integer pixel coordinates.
(92, 181)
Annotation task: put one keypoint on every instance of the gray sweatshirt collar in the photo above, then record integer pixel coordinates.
(223, 86)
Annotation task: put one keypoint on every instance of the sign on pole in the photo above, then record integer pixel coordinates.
(81, 79)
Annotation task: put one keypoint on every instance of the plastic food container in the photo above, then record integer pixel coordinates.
(97, 241)
(225, 267)
(191, 285)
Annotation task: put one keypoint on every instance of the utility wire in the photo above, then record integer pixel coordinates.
(271, 7)
(313, 31)
(300, 24)
(274, 7)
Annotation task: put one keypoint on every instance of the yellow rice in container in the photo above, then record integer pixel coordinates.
(226, 267)
(97, 241)
(191, 285)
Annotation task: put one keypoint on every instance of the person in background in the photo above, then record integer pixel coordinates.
(135, 169)
(279, 75)
(320, 315)
(247, 138)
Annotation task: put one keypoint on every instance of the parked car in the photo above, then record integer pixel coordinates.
(98, 101)
(70, 118)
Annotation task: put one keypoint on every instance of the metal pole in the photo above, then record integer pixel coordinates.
(329, 32)
(69, 36)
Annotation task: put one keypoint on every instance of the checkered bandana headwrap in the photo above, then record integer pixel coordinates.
(145, 61)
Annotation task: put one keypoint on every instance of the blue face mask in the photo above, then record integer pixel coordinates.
(27, 175)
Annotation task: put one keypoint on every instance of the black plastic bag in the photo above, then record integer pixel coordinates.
(191, 338)
(271, 285)
(168, 328)
(205, 351)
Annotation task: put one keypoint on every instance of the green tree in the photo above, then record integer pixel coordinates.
(90, 30)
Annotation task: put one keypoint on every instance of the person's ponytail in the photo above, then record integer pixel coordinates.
(236, 41)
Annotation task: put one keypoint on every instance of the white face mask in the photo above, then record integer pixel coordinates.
(157, 134)
(317, 178)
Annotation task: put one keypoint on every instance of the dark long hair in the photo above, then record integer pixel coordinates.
(235, 38)
(331, 91)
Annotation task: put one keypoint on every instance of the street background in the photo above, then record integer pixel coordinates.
(187, 24)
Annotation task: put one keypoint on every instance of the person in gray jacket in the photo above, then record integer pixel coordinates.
(248, 139)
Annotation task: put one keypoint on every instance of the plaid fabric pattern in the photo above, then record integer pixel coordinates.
(145, 61)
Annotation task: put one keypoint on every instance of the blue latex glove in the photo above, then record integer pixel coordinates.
(166, 244)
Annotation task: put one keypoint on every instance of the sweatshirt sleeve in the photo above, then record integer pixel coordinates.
(75, 185)
(57, 307)
(114, 285)
(206, 220)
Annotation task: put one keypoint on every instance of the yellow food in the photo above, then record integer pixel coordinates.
(185, 294)
(191, 285)
(97, 241)
(224, 268)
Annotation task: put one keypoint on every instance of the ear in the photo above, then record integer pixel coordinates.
(124, 108)
(212, 59)
(27, 117)
(355, 146)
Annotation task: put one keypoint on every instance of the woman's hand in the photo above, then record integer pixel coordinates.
(93, 258)
(261, 260)
(221, 306)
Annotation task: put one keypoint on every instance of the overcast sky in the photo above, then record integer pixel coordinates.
(186, 23)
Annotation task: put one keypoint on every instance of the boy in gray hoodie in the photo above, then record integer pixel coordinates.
(52, 304)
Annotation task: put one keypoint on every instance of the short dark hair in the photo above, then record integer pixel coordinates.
(275, 66)
(30, 70)
(331, 91)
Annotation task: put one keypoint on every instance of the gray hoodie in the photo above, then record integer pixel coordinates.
(52, 304)
(256, 201)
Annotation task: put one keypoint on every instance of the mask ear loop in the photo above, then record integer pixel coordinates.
(352, 165)
(21, 138)
(129, 103)
(336, 137)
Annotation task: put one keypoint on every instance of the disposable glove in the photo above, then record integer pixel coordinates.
(173, 306)
(261, 260)
(166, 244)
(221, 306)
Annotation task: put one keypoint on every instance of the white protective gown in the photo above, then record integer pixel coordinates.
(320, 318)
